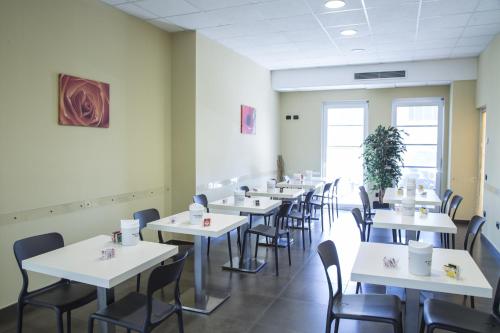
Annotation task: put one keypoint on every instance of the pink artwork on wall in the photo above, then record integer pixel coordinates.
(248, 114)
(83, 102)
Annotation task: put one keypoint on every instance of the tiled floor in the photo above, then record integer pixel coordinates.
(294, 302)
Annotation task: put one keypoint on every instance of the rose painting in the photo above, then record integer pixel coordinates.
(247, 119)
(83, 102)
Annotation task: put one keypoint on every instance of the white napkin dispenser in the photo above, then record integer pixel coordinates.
(408, 206)
(130, 232)
(419, 258)
(271, 185)
(239, 196)
(196, 212)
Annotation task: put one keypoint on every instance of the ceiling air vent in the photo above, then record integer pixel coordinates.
(379, 75)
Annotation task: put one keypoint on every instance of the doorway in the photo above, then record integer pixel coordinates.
(481, 159)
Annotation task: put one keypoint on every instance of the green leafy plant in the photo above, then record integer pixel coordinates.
(383, 158)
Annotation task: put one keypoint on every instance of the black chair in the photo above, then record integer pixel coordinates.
(274, 233)
(444, 203)
(367, 211)
(360, 223)
(320, 201)
(202, 200)
(62, 296)
(453, 317)
(452, 211)
(334, 195)
(267, 217)
(473, 230)
(142, 313)
(366, 307)
(149, 215)
(304, 215)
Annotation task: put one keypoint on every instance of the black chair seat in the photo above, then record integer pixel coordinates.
(184, 246)
(64, 295)
(368, 307)
(266, 231)
(458, 318)
(295, 214)
(131, 311)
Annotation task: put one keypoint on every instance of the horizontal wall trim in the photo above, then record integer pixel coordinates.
(71, 207)
(233, 181)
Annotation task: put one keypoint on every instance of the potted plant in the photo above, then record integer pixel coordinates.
(383, 159)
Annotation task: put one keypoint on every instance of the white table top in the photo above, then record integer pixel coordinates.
(369, 268)
(391, 196)
(247, 206)
(288, 193)
(305, 185)
(81, 261)
(219, 225)
(434, 222)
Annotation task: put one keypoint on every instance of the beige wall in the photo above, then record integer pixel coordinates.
(301, 139)
(464, 146)
(183, 116)
(224, 81)
(488, 95)
(46, 164)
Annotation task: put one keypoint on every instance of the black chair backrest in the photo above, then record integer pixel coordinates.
(145, 216)
(358, 217)
(365, 200)
(162, 276)
(473, 230)
(329, 257)
(326, 192)
(201, 199)
(496, 301)
(446, 197)
(336, 183)
(454, 204)
(281, 216)
(33, 246)
(245, 188)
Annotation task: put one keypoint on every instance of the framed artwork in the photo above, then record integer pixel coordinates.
(83, 102)
(248, 114)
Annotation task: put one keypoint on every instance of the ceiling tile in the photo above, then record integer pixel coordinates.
(489, 17)
(218, 4)
(307, 35)
(134, 10)
(489, 5)
(451, 21)
(282, 8)
(426, 33)
(164, 8)
(480, 30)
(447, 7)
(468, 50)
(387, 27)
(475, 41)
(403, 12)
(343, 18)
(362, 30)
(301, 22)
(432, 53)
(435, 44)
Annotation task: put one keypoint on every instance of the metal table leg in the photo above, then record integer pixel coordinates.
(104, 298)
(198, 299)
(412, 311)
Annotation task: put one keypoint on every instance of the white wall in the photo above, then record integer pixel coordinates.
(225, 81)
(488, 95)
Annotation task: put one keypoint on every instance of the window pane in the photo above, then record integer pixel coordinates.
(345, 135)
(425, 177)
(346, 116)
(421, 156)
(420, 135)
(346, 163)
(417, 115)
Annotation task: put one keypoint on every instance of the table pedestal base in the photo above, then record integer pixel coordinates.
(202, 304)
(249, 265)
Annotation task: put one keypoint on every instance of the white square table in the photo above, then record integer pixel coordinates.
(369, 268)
(391, 196)
(81, 262)
(277, 193)
(304, 185)
(198, 299)
(434, 222)
(267, 205)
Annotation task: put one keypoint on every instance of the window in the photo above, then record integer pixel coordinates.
(422, 120)
(344, 129)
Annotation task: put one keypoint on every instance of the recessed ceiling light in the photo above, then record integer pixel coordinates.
(358, 50)
(348, 32)
(334, 4)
